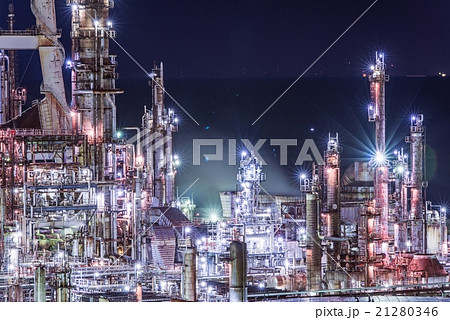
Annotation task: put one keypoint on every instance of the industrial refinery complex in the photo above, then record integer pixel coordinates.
(88, 215)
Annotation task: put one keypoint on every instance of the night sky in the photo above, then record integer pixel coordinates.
(227, 61)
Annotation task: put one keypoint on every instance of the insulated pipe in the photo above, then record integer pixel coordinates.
(39, 284)
(63, 286)
(189, 275)
(238, 271)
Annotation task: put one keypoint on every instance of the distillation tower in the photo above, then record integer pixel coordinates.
(332, 194)
(93, 106)
(417, 227)
(313, 243)
(377, 114)
(158, 124)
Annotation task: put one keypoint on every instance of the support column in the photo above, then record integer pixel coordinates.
(238, 271)
(63, 285)
(39, 284)
(189, 275)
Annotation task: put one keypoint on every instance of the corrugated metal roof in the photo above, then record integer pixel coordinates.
(29, 119)
(163, 245)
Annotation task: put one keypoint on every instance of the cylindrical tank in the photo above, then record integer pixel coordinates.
(278, 282)
(238, 272)
(189, 275)
(39, 284)
(295, 282)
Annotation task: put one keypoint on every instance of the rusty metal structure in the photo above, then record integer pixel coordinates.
(74, 194)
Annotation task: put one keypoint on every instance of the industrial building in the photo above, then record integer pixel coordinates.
(87, 215)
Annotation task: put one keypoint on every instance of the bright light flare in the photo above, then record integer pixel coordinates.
(400, 169)
(379, 159)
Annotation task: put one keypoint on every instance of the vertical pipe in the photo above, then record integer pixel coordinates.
(4, 86)
(313, 246)
(75, 248)
(63, 285)
(170, 174)
(2, 220)
(39, 284)
(139, 292)
(189, 275)
(14, 105)
(138, 213)
(238, 271)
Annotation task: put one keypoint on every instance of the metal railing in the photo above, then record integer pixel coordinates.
(10, 133)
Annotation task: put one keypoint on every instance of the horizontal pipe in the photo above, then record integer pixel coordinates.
(362, 289)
